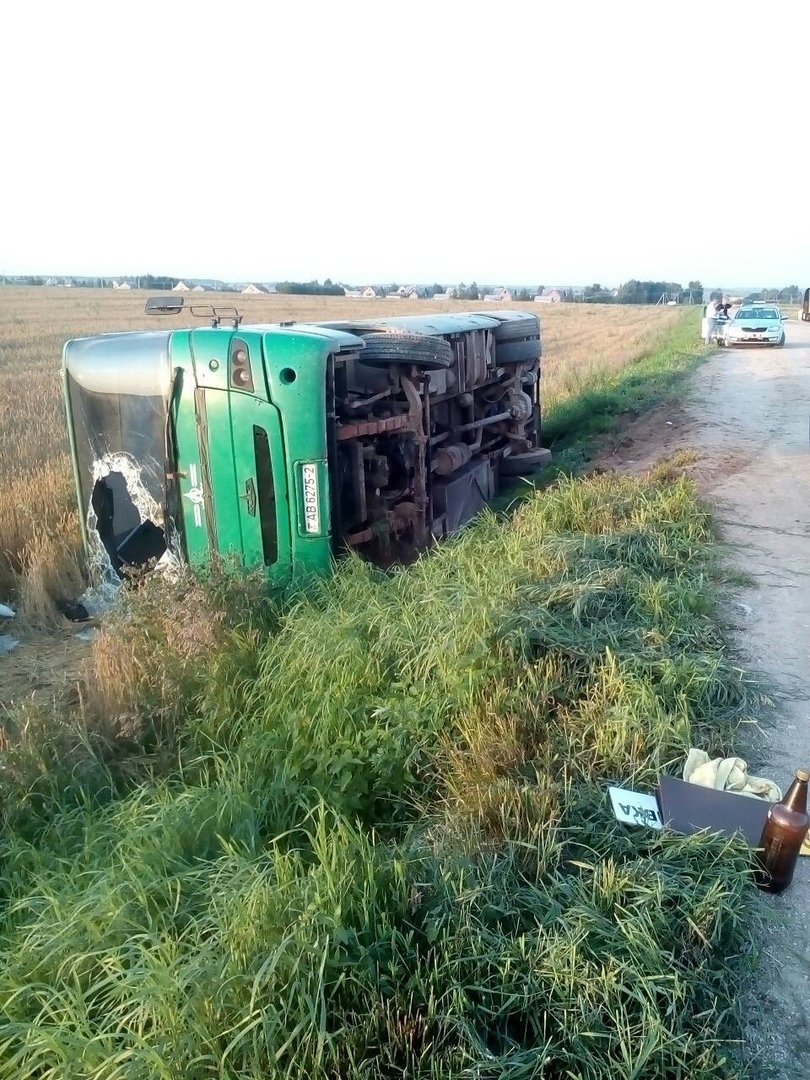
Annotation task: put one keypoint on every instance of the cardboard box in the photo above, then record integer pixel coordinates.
(688, 808)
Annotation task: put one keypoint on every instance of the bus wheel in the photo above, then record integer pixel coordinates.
(517, 352)
(431, 353)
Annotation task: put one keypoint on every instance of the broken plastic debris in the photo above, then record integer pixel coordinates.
(144, 542)
(101, 598)
(169, 565)
(87, 635)
(72, 610)
(6, 612)
(7, 643)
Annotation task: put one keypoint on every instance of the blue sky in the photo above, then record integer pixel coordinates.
(521, 142)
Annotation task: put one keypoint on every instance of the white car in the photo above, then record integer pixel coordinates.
(754, 324)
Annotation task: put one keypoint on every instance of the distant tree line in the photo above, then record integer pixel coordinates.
(155, 281)
(791, 294)
(309, 288)
(643, 292)
(630, 292)
(457, 292)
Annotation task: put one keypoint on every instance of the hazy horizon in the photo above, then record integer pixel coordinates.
(373, 144)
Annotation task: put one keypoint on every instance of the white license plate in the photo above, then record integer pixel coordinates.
(309, 476)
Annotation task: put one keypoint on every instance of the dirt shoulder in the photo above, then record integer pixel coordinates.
(43, 665)
(746, 417)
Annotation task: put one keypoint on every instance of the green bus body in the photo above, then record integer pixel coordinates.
(277, 446)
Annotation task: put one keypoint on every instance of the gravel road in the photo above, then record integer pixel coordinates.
(749, 414)
(746, 414)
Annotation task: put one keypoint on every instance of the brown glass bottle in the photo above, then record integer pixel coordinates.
(785, 829)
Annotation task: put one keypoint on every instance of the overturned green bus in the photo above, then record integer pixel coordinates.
(280, 445)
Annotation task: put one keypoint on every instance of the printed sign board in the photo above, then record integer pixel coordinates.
(633, 808)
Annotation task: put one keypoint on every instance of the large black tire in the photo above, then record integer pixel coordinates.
(781, 341)
(523, 464)
(517, 329)
(382, 350)
(517, 352)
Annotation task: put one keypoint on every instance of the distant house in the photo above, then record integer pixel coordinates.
(370, 293)
(404, 292)
(449, 294)
(207, 285)
(180, 287)
(353, 294)
(549, 296)
(499, 296)
(121, 285)
(255, 288)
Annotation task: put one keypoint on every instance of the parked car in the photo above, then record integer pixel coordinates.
(755, 324)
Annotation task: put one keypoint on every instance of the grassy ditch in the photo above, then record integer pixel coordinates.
(594, 401)
(386, 849)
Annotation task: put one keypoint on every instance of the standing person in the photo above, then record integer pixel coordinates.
(711, 320)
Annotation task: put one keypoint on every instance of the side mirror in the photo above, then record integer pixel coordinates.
(164, 305)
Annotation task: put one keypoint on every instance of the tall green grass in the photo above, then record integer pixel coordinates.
(386, 849)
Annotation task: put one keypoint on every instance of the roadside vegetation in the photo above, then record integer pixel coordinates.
(587, 401)
(362, 830)
(382, 845)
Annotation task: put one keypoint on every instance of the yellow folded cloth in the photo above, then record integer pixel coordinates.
(727, 774)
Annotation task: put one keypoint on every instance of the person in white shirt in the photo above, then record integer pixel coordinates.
(712, 314)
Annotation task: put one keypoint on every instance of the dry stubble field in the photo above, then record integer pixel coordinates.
(40, 553)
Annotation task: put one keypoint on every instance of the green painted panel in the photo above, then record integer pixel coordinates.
(192, 510)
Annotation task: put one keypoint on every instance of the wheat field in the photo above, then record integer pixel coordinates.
(40, 549)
